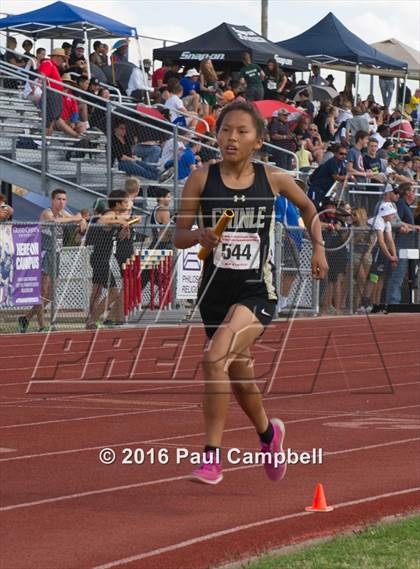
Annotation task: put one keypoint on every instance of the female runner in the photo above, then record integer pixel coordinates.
(237, 297)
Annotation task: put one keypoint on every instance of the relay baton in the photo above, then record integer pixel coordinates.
(224, 219)
(134, 220)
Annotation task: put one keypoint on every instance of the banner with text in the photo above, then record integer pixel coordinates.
(20, 265)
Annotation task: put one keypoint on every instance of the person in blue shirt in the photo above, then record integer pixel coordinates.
(324, 176)
(288, 214)
(188, 159)
(191, 85)
(405, 238)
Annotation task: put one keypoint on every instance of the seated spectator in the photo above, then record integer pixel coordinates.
(70, 112)
(187, 160)
(175, 105)
(51, 69)
(77, 52)
(407, 169)
(171, 73)
(322, 179)
(232, 92)
(191, 86)
(6, 211)
(40, 56)
(158, 76)
(314, 143)
(416, 169)
(415, 148)
(79, 67)
(282, 137)
(12, 59)
(210, 119)
(67, 49)
(127, 162)
(381, 135)
(132, 187)
(304, 102)
(97, 118)
(394, 169)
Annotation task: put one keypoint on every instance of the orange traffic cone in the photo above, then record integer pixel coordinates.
(320, 503)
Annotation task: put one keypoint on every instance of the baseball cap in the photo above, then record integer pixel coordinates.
(386, 209)
(94, 81)
(80, 46)
(390, 188)
(280, 112)
(100, 206)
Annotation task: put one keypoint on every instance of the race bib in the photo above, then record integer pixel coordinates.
(238, 251)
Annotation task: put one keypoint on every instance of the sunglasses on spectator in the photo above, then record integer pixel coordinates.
(342, 153)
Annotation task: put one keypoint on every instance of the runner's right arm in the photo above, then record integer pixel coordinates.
(185, 237)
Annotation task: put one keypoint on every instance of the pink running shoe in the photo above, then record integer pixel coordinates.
(209, 472)
(275, 472)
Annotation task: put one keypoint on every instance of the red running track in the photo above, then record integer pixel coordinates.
(349, 385)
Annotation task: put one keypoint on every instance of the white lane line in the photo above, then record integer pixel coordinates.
(189, 435)
(93, 417)
(236, 529)
(112, 489)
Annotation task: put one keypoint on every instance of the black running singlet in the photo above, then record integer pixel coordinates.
(243, 256)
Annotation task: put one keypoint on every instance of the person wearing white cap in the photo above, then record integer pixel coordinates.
(191, 85)
(383, 255)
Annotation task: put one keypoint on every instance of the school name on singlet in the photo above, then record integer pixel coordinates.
(245, 217)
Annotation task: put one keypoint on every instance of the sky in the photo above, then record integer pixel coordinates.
(179, 20)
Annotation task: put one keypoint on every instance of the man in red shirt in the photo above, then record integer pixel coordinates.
(51, 69)
(158, 75)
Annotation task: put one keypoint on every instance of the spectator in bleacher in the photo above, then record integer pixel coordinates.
(176, 107)
(127, 162)
(322, 179)
(40, 56)
(80, 67)
(105, 55)
(12, 58)
(70, 112)
(355, 167)
(252, 76)
(6, 211)
(305, 102)
(97, 56)
(29, 58)
(407, 169)
(381, 135)
(372, 163)
(187, 160)
(416, 169)
(315, 78)
(77, 52)
(416, 214)
(394, 169)
(191, 86)
(171, 73)
(330, 81)
(387, 147)
(282, 137)
(51, 69)
(359, 122)
(132, 187)
(232, 92)
(208, 85)
(330, 125)
(50, 266)
(415, 147)
(67, 48)
(158, 76)
(275, 80)
(97, 118)
(405, 238)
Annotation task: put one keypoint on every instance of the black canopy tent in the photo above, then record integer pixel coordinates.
(225, 44)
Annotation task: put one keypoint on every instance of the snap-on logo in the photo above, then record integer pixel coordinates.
(201, 56)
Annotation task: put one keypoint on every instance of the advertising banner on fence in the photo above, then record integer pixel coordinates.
(20, 265)
(188, 273)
